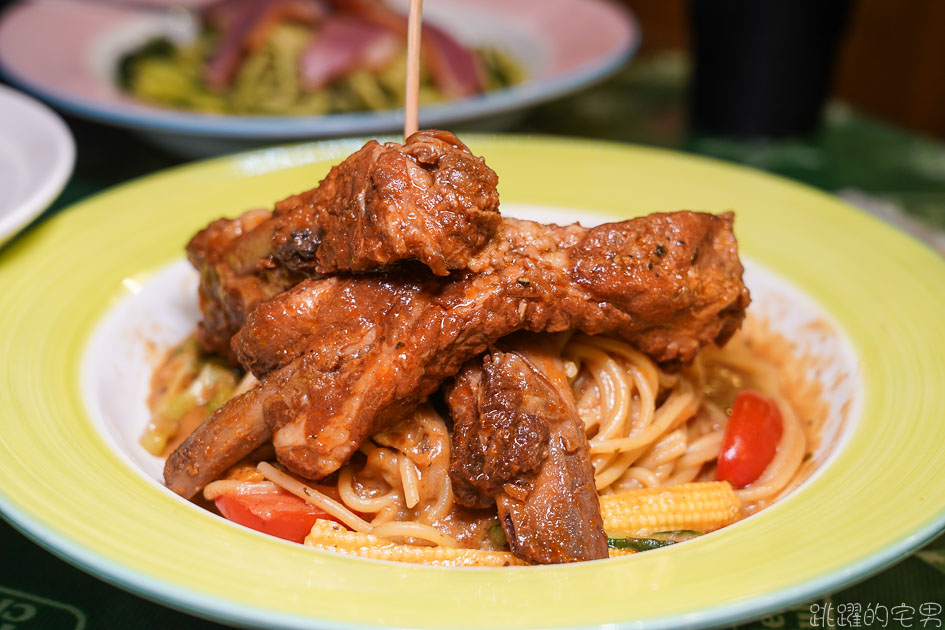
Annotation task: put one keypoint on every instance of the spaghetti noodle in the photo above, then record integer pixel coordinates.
(646, 428)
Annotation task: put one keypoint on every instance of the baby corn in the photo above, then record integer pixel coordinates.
(701, 506)
(330, 536)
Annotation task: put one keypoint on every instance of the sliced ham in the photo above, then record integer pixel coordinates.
(344, 44)
(455, 69)
(245, 25)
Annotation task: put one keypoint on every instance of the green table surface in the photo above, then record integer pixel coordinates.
(888, 171)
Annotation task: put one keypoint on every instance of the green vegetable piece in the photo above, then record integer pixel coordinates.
(189, 379)
(654, 541)
(157, 48)
(501, 70)
(638, 544)
(497, 535)
(153, 442)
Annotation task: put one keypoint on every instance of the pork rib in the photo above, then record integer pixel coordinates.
(430, 199)
(668, 283)
(518, 442)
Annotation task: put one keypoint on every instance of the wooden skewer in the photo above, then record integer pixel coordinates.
(413, 68)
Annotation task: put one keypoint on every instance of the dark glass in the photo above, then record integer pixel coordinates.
(762, 68)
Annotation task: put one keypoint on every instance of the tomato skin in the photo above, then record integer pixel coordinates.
(751, 439)
(279, 514)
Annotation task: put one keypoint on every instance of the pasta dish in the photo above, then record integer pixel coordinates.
(387, 367)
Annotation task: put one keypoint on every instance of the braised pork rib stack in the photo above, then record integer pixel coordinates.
(429, 199)
(354, 301)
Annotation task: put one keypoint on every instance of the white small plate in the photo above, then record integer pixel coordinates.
(37, 154)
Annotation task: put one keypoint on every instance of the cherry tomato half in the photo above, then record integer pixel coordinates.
(279, 514)
(751, 439)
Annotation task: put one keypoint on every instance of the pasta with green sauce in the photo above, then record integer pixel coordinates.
(267, 81)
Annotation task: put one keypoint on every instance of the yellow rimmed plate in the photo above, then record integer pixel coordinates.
(69, 478)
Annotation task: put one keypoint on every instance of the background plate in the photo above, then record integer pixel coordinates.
(882, 495)
(67, 53)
